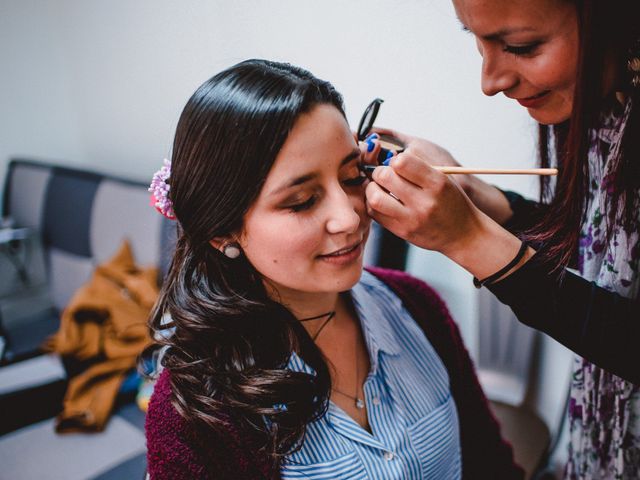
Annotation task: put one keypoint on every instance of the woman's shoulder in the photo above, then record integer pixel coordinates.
(164, 424)
(169, 450)
(161, 412)
(177, 450)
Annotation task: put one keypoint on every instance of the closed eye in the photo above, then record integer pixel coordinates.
(306, 205)
(355, 181)
(521, 50)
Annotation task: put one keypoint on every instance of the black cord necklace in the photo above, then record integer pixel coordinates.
(359, 402)
(329, 316)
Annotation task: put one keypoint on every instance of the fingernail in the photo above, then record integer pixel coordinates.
(372, 136)
(388, 159)
(370, 146)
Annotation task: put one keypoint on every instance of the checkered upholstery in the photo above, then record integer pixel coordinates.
(82, 218)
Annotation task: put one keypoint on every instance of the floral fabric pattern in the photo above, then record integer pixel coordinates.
(604, 410)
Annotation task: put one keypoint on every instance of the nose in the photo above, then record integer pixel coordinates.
(497, 73)
(343, 213)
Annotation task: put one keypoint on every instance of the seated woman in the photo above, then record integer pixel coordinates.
(281, 357)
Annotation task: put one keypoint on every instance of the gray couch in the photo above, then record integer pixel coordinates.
(66, 221)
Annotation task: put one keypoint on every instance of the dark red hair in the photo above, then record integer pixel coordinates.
(607, 32)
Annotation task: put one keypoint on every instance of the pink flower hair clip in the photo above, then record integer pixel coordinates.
(159, 189)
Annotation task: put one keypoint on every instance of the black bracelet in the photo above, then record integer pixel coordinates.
(492, 278)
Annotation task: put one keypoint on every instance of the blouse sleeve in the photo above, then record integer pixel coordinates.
(599, 325)
(526, 213)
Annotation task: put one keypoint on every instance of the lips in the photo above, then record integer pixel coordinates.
(342, 251)
(533, 101)
(346, 256)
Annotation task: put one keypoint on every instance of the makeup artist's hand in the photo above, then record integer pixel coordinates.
(431, 152)
(369, 148)
(430, 210)
(485, 196)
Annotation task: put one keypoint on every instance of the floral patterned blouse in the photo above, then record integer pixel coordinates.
(604, 410)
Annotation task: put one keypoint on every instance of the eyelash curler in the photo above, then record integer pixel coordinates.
(388, 143)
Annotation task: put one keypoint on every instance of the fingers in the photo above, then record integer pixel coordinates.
(381, 203)
(390, 190)
(390, 223)
(402, 194)
(370, 149)
(390, 212)
(407, 175)
(392, 133)
(415, 170)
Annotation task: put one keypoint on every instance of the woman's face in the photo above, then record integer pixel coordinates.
(529, 50)
(307, 230)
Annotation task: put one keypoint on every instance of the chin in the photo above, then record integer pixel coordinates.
(550, 116)
(550, 119)
(349, 279)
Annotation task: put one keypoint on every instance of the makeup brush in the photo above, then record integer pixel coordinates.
(368, 170)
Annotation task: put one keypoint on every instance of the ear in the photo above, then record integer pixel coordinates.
(219, 242)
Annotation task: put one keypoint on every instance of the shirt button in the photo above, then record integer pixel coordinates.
(388, 456)
(376, 401)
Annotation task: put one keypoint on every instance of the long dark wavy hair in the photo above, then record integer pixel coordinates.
(607, 32)
(227, 344)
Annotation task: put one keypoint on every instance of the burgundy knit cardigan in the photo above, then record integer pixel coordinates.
(176, 451)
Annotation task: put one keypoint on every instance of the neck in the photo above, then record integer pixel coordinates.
(305, 304)
(310, 306)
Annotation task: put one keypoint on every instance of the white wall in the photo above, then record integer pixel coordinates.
(38, 117)
(102, 83)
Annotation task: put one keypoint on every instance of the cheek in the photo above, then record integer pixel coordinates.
(361, 209)
(557, 68)
(552, 73)
(359, 203)
(276, 240)
(358, 198)
(301, 242)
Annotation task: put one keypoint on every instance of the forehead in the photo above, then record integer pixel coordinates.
(318, 137)
(485, 17)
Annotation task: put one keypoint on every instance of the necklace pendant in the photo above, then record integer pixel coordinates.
(359, 403)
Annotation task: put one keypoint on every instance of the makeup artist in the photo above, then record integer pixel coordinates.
(567, 265)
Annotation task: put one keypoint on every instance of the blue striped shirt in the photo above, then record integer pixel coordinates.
(411, 412)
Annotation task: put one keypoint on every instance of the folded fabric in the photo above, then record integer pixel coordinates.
(104, 327)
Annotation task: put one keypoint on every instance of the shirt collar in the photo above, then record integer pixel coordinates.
(297, 364)
(374, 304)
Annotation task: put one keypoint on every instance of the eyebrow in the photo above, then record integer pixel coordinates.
(500, 33)
(352, 155)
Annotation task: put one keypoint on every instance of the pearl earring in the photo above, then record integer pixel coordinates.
(231, 250)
